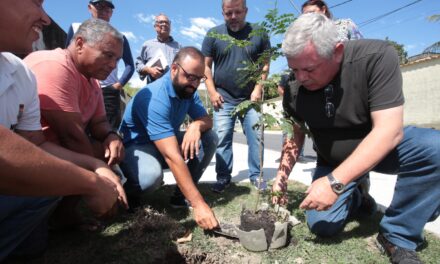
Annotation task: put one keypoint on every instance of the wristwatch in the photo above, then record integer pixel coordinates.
(336, 185)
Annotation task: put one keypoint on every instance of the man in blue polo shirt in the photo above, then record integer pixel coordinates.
(153, 140)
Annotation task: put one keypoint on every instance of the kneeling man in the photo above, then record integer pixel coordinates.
(153, 140)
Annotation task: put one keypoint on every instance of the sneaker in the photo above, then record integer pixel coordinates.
(179, 202)
(260, 186)
(220, 186)
(396, 254)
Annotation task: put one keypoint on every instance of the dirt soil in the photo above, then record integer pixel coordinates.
(261, 219)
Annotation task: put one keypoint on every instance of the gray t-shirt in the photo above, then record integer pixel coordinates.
(369, 80)
(228, 80)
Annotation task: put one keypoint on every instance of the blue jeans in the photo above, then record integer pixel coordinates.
(416, 200)
(23, 224)
(143, 164)
(224, 126)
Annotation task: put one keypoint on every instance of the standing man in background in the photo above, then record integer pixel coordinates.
(157, 52)
(112, 87)
(226, 89)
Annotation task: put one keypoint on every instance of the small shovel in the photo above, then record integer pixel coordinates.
(226, 230)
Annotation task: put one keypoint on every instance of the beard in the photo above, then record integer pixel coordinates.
(183, 91)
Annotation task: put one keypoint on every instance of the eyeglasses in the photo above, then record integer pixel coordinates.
(162, 22)
(329, 106)
(192, 77)
(103, 7)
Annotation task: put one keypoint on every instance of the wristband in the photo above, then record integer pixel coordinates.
(117, 133)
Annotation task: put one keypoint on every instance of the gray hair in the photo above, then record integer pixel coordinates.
(314, 28)
(227, 1)
(94, 30)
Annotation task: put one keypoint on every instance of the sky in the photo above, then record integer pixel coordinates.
(192, 18)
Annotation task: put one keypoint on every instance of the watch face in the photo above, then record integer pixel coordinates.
(338, 188)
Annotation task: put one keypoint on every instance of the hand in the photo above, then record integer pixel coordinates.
(114, 149)
(320, 196)
(204, 217)
(106, 172)
(117, 86)
(190, 142)
(216, 100)
(103, 199)
(155, 72)
(256, 94)
(279, 190)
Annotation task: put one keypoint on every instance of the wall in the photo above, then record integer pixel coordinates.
(421, 87)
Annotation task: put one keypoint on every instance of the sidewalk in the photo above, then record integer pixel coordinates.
(382, 186)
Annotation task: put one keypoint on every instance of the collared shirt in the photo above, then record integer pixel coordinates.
(150, 50)
(19, 105)
(156, 112)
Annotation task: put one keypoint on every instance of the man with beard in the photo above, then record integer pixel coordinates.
(153, 140)
(229, 87)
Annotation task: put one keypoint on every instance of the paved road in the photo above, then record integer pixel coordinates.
(273, 141)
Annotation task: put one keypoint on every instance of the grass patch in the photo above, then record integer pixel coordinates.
(149, 236)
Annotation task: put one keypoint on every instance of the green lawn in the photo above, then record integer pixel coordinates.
(149, 237)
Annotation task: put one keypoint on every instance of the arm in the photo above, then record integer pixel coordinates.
(190, 142)
(113, 147)
(129, 66)
(258, 89)
(68, 127)
(86, 162)
(385, 135)
(203, 215)
(214, 96)
(289, 156)
(69, 37)
(27, 170)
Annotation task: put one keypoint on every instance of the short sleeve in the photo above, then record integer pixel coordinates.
(56, 87)
(385, 81)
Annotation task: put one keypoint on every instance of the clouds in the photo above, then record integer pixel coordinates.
(198, 27)
(145, 19)
(130, 36)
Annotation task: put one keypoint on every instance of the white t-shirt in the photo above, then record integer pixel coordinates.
(19, 103)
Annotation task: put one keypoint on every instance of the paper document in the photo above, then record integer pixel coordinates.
(158, 60)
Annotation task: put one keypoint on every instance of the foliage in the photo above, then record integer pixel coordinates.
(251, 72)
(131, 91)
(129, 239)
(434, 18)
(403, 55)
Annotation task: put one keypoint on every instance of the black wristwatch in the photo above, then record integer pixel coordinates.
(336, 185)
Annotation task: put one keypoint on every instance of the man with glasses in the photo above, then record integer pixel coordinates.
(349, 95)
(229, 87)
(112, 86)
(154, 141)
(158, 53)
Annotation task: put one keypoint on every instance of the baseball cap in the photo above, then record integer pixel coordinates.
(109, 2)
